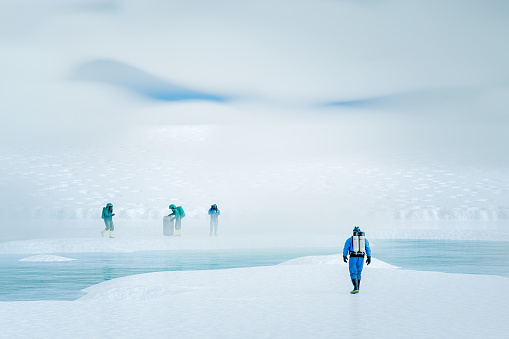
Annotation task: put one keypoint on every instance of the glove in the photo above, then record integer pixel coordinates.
(368, 261)
(345, 259)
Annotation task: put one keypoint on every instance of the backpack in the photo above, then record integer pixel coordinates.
(104, 211)
(181, 211)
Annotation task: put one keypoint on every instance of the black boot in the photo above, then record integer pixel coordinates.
(355, 286)
(358, 284)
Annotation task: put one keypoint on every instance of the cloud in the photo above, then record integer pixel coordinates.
(460, 105)
(131, 78)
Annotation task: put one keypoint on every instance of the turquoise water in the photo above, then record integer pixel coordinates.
(64, 280)
(449, 256)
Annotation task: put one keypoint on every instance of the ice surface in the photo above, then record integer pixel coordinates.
(46, 257)
(282, 301)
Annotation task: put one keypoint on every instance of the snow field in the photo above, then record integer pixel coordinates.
(282, 301)
(136, 173)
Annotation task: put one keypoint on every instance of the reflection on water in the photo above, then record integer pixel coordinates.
(64, 280)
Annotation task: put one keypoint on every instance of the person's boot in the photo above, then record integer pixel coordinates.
(111, 234)
(358, 285)
(355, 289)
(177, 233)
(102, 232)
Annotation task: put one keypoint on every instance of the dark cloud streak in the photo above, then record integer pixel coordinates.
(143, 83)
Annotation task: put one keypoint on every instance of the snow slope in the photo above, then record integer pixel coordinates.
(283, 301)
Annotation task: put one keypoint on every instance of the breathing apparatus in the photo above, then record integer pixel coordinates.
(358, 243)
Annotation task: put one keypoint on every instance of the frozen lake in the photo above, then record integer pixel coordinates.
(64, 280)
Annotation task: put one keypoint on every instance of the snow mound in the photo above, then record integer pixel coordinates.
(45, 257)
(333, 259)
(137, 287)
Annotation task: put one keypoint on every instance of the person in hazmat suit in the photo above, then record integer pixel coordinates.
(214, 216)
(177, 213)
(356, 247)
(107, 216)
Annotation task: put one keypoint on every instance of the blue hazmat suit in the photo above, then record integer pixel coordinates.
(214, 213)
(177, 213)
(355, 263)
(107, 216)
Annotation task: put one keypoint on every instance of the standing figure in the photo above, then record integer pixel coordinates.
(356, 246)
(107, 216)
(214, 213)
(177, 213)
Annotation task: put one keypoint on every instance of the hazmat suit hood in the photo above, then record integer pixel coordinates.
(107, 212)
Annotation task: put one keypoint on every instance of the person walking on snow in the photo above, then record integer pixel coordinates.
(214, 216)
(356, 246)
(107, 216)
(177, 213)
